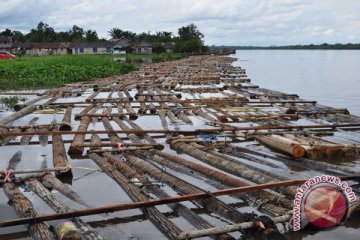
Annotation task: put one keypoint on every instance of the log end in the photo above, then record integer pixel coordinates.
(133, 117)
(65, 127)
(75, 151)
(223, 119)
(298, 152)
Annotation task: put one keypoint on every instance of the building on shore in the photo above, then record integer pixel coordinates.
(5, 43)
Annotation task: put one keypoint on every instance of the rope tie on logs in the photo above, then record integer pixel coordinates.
(121, 146)
(265, 228)
(7, 175)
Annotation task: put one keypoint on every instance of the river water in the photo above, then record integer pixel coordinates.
(330, 77)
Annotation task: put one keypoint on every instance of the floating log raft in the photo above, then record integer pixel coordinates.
(167, 134)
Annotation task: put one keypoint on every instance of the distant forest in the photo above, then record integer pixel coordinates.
(336, 46)
(188, 40)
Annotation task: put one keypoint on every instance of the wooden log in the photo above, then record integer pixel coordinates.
(183, 117)
(23, 206)
(15, 131)
(192, 217)
(25, 140)
(51, 182)
(163, 119)
(43, 139)
(65, 124)
(229, 228)
(283, 144)
(169, 160)
(196, 131)
(155, 216)
(123, 126)
(84, 111)
(212, 204)
(59, 157)
(231, 167)
(86, 230)
(74, 149)
(131, 111)
(23, 109)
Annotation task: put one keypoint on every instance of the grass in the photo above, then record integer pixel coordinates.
(54, 71)
(10, 102)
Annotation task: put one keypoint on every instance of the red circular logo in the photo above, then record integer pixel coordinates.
(325, 206)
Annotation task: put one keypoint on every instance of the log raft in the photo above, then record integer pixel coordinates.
(180, 142)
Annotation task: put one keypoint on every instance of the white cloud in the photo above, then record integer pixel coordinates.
(231, 22)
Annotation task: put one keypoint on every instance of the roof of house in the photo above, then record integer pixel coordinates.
(45, 45)
(94, 44)
(143, 44)
(5, 38)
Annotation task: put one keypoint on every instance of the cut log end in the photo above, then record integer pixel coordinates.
(298, 152)
(65, 127)
(75, 151)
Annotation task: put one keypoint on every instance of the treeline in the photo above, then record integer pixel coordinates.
(188, 40)
(336, 46)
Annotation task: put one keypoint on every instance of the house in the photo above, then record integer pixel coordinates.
(5, 43)
(143, 48)
(169, 46)
(92, 48)
(121, 45)
(46, 48)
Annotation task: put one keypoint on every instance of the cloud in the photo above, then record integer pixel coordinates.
(229, 22)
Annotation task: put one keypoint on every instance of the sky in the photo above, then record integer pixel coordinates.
(223, 22)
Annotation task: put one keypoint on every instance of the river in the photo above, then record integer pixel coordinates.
(330, 77)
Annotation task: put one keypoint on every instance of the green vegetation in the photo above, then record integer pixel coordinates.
(53, 71)
(189, 39)
(10, 102)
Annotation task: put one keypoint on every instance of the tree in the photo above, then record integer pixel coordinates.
(18, 36)
(7, 32)
(118, 33)
(42, 33)
(76, 34)
(190, 39)
(91, 36)
(158, 48)
(190, 32)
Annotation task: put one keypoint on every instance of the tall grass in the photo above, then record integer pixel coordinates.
(53, 71)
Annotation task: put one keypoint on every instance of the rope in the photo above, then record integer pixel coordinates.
(7, 175)
(121, 146)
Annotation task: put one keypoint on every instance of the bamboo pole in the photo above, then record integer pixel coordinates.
(229, 228)
(352, 126)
